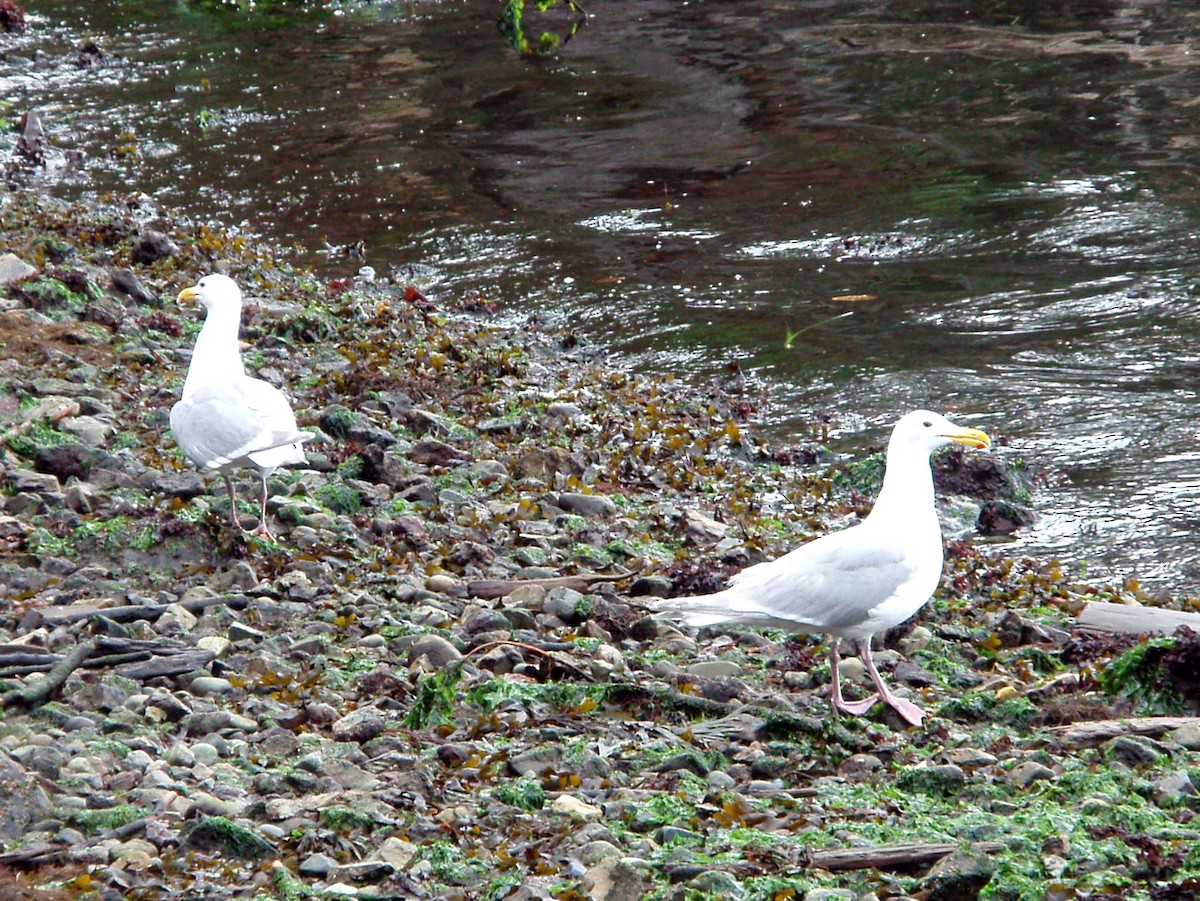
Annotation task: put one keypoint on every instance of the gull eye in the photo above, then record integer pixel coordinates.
(927, 424)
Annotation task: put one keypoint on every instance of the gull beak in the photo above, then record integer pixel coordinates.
(188, 294)
(971, 438)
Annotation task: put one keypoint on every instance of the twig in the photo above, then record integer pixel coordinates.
(1102, 730)
(891, 856)
(37, 693)
(490, 589)
(46, 853)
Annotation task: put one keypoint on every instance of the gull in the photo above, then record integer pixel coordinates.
(225, 418)
(851, 584)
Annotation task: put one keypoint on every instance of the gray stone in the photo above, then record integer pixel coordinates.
(566, 604)
(959, 877)
(615, 879)
(360, 725)
(714, 669)
(1173, 789)
(1187, 736)
(13, 269)
(717, 884)
(22, 801)
(651, 586)
(1027, 772)
(829, 894)
(858, 766)
(210, 685)
(1131, 751)
(316, 865)
(701, 529)
(538, 761)
(587, 505)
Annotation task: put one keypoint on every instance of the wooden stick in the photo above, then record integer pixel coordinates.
(42, 689)
(490, 589)
(1102, 730)
(1133, 619)
(891, 856)
(46, 853)
(76, 612)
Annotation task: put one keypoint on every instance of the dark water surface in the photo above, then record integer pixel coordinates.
(1013, 189)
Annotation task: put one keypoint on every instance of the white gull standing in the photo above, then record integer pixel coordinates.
(225, 418)
(859, 581)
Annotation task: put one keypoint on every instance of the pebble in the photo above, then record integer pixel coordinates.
(579, 811)
(1027, 772)
(714, 669)
(210, 685)
(1173, 789)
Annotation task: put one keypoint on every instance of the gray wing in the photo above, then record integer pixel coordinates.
(829, 584)
(222, 423)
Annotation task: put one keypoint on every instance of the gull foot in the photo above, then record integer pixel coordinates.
(911, 713)
(856, 708)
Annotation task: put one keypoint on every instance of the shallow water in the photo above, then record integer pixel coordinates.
(1005, 201)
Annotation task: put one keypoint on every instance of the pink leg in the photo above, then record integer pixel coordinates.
(232, 502)
(854, 708)
(263, 530)
(911, 713)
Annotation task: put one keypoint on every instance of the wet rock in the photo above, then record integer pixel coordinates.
(544, 463)
(579, 811)
(151, 247)
(382, 465)
(175, 620)
(13, 269)
(127, 283)
(566, 604)
(829, 894)
(1131, 751)
(714, 669)
(1187, 736)
(859, 766)
(538, 762)
(959, 877)
(1027, 772)
(317, 865)
(1174, 789)
(360, 726)
(432, 452)
(717, 884)
(700, 529)
(210, 685)
(615, 879)
(652, 586)
(22, 800)
(73, 460)
(588, 505)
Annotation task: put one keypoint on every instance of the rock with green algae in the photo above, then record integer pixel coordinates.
(959, 877)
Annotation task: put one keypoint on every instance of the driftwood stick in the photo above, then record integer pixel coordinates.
(45, 853)
(1102, 730)
(73, 614)
(1133, 619)
(887, 857)
(37, 693)
(490, 589)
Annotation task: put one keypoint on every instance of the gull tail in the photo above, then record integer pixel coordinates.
(705, 610)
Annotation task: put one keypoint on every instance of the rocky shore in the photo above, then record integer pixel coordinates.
(441, 681)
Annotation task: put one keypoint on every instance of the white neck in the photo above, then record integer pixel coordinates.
(216, 354)
(907, 493)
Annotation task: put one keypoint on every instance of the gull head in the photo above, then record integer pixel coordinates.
(216, 292)
(925, 431)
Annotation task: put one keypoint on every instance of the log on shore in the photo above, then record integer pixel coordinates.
(888, 857)
(1101, 616)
